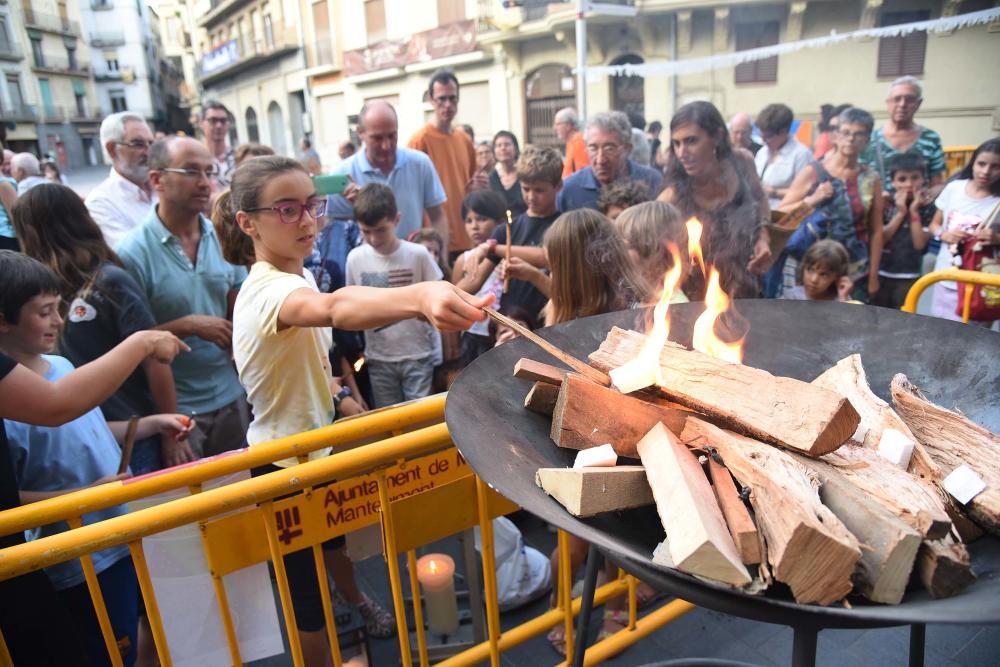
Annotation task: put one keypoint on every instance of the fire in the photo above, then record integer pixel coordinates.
(359, 364)
(645, 370)
(705, 340)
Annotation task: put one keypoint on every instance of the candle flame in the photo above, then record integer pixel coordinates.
(433, 566)
(359, 364)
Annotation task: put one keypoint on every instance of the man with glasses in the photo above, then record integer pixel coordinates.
(121, 202)
(451, 151)
(177, 261)
(215, 119)
(901, 134)
(609, 143)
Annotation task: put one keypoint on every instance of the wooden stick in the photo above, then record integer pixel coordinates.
(580, 367)
(741, 526)
(133, 426)
(506, 279)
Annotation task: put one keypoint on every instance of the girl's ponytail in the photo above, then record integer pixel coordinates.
(237, 247)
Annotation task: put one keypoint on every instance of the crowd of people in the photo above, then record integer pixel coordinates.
(296, 307)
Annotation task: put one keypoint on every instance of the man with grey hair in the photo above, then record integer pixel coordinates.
(121, 202)
(609, 144)
(741, 132)
(901, 134)
(27, 171)
(567, 128)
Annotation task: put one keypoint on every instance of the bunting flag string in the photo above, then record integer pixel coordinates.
(725, 60)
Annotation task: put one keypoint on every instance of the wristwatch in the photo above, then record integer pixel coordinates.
(344, 392)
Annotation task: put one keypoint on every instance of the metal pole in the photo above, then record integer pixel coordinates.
(581, 58)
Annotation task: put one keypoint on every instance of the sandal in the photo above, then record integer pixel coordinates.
(557, 638)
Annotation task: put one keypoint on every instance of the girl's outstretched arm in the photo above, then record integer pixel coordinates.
(355, 308)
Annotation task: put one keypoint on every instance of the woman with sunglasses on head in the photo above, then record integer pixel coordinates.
(282, 334)
(845, 192)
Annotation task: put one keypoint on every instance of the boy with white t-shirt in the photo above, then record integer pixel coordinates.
(401, 355)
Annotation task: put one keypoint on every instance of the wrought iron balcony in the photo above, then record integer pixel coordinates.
(49, 22)
(105, 39)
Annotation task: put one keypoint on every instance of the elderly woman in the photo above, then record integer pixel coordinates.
(844, 190)
(707, 178)
(782, 157)
(503, 176)
(901, 134)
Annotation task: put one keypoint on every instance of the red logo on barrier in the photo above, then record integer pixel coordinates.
(288, 519)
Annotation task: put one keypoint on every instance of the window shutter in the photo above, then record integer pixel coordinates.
(914, 49)
(899, 56)
(890, 50)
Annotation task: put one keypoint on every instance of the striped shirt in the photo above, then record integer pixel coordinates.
(927, 146)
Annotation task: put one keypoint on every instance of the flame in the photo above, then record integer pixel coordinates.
(359, 364)
(694, 229)
(433, 566)
(705, 340)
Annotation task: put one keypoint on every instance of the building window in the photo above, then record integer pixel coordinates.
(375, 20)
(118, 101)
(14, 90)
(81, 105)
(753, 36)
(268, 32)
(111, 60)
(450, 11)
(324, 40)
(5, 45)
(253, 132)
(37, 53)
(71, 59)
(902, 56)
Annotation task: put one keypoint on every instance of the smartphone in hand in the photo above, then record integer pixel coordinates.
(331, 184)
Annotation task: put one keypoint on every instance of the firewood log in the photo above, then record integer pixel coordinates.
(782, 411)
(585, 492)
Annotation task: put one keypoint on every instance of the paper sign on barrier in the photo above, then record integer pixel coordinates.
(186, 596)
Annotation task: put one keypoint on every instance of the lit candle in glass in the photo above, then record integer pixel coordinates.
(436, 574)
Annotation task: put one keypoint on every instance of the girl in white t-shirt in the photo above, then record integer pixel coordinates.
(482, 211)
(268, 219)
(962, 206)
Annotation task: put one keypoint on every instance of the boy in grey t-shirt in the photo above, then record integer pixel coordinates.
(400, 356)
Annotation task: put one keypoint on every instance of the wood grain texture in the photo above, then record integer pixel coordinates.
(536, 371)
(741, 525)
(585, 492)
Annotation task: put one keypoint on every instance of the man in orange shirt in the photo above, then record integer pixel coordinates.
(567, 127)
(452, 154)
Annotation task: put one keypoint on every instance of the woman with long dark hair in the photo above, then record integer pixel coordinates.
(503, 178)
(707, 178)
(103, 306)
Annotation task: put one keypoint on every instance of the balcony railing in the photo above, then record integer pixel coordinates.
(58, 65)
(50, 22)
(98, 5)
(104, 39)
(226, 57)
(21, 112)
(9, 51)
(490, 12)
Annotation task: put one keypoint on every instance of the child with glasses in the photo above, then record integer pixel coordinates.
(281, 338)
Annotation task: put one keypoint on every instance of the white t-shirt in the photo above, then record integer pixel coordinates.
(790, 160)
(959, 212)
(492, 285)
(410, 263)
(286, 373)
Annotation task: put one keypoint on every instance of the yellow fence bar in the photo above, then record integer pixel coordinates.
(149, 599)
(958, 275)
(34, 555)
(344, 433)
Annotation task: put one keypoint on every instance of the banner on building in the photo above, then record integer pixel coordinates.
(451, 39)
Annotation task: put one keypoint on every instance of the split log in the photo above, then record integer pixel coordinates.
(807, 546)
(782, 411)
(890, 545)
(741, 526)
(585, 492)
(542, 398)
(699, 542)
(536, 371)
(943, 566)
(588, 415)
(951, 440)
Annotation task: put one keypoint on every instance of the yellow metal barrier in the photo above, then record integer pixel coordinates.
(957, 275)
(956, 157)
(393, 467)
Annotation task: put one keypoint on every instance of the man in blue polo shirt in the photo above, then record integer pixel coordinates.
(176, 259)
(609, 143)
(409, 173)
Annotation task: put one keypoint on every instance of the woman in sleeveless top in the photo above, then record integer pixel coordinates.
(709, 179)
(845, 191)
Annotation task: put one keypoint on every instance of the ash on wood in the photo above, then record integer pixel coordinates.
(782, 411)
(952, 440)
(587, 415)
(741, 525)
(542, 398)
(536, 371)
(585, 492)
(807, 546)
(699, 541)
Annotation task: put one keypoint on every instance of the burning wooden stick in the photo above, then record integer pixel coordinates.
(583, 369)
(506, 279)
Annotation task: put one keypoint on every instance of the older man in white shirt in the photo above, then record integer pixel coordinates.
(122, 201)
